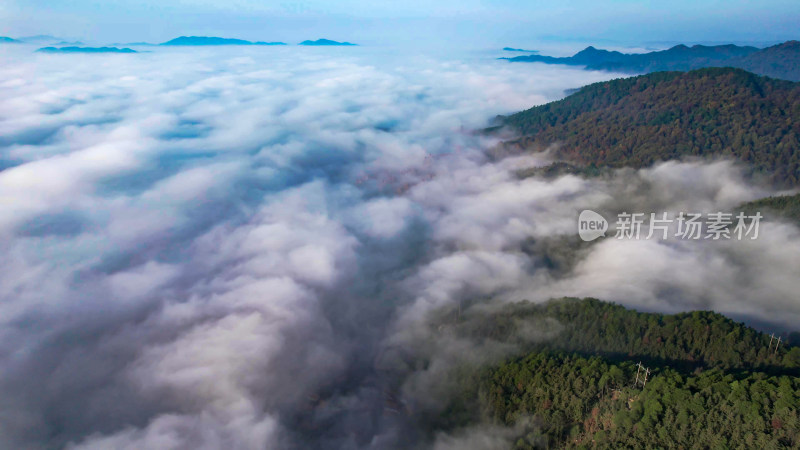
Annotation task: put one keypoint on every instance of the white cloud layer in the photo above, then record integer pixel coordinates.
(207, 248)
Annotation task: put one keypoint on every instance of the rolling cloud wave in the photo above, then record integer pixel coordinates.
(217, 248)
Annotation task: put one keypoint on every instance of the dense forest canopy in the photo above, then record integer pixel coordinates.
(581, 402)
(712, 382)
(699, 339)
(780, 207)
(720, 112)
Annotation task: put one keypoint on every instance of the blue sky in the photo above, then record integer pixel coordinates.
(471, 22)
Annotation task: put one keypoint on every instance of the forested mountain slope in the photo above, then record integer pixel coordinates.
(719, 112)
(572, 401)
(712, 382)
(786, 207)
(692, 340)
(779, 61)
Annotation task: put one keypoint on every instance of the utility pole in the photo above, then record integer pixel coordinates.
(777, 344)
(771, 337)
(638, 368)
(644, 371)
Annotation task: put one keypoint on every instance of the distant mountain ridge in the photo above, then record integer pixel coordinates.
(323, 42)
(8, 40)
(511, 49)
(634, 122)
(41, 39)
(779, 61)
(85, 50)
(134, 44)
(204, 40)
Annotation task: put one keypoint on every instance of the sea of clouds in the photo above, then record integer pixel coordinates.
(215, 248)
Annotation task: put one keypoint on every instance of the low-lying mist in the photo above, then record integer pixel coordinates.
(243, 248)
